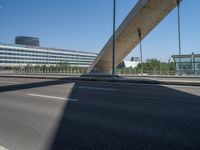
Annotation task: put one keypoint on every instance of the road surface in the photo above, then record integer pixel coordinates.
(38, 114)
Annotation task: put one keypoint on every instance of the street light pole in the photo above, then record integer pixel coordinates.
(179, 27)
(179, 33)
(140, 39)
(113, 51)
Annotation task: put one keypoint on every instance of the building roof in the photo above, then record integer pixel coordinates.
(185, 56)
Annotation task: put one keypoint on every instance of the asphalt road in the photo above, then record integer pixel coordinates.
(60, 115)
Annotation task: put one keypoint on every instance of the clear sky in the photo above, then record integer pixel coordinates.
(87, 25)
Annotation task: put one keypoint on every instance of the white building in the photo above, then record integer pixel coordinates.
(132, 64)
(21, 55)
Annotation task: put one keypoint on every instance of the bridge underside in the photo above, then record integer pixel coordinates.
(146, 15)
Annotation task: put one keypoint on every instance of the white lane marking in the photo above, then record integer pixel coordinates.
(67, 86)
(95, 88)
(3, 148)
(12, 82)
(182, 86)
(51, 97)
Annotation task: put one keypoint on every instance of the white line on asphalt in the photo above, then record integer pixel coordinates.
(67, 86)
(12, 82)
(51, 97)
(182, 86)
(95, 88)
(3, 148)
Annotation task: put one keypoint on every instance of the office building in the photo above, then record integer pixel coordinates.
(22, 55)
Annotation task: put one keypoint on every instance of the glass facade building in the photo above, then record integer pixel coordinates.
(24, 40)
(187, 64)
(22, 55)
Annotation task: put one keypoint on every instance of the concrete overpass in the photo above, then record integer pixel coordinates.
(145, 16)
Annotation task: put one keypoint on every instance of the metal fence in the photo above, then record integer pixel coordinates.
(81, 71)
(126, 72)
(49, 71)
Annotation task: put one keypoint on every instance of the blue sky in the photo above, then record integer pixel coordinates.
(87, 25)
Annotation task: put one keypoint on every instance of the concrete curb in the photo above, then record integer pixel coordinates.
(118, 80)
(164, 76)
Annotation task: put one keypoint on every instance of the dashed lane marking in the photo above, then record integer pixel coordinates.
(51, 97)
(12, 82)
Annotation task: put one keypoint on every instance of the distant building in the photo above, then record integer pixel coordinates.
(133, 63)
(25, 40)
(22, 55)
(187, 64)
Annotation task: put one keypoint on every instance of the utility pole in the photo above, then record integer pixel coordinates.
(140, 39)
(193, 64)
(113, 52)
(179, 27)
(179, 32)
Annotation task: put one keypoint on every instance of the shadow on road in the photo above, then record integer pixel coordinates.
(135, 117)
(24, 86)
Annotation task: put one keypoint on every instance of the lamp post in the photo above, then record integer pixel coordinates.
(113, 50)
(179, 32)
(141, 56)
(179, 26)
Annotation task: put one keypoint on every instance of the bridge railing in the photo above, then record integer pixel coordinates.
(83, 71)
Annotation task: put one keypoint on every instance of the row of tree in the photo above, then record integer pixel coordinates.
(151, 66)
(156, 65)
